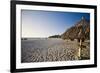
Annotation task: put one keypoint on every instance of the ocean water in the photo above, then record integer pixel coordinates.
(40, 42)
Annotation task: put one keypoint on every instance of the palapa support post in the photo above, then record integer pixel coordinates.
(79, 49)
(81, 36)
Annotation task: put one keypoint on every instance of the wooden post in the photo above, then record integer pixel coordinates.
(79, 50)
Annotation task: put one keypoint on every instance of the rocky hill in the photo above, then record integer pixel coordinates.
(55, 36)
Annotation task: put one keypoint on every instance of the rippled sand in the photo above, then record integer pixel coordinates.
(43, 50)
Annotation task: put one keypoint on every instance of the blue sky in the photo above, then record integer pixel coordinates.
(37, 23)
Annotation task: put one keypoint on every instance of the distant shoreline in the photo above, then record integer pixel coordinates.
(41, 38)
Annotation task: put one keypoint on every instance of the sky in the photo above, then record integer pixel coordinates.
(43, 24)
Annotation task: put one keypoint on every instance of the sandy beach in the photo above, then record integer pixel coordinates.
(44, 50)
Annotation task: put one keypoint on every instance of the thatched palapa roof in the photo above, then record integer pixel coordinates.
(80, 30)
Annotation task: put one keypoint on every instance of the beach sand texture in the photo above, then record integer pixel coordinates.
(48, 50)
